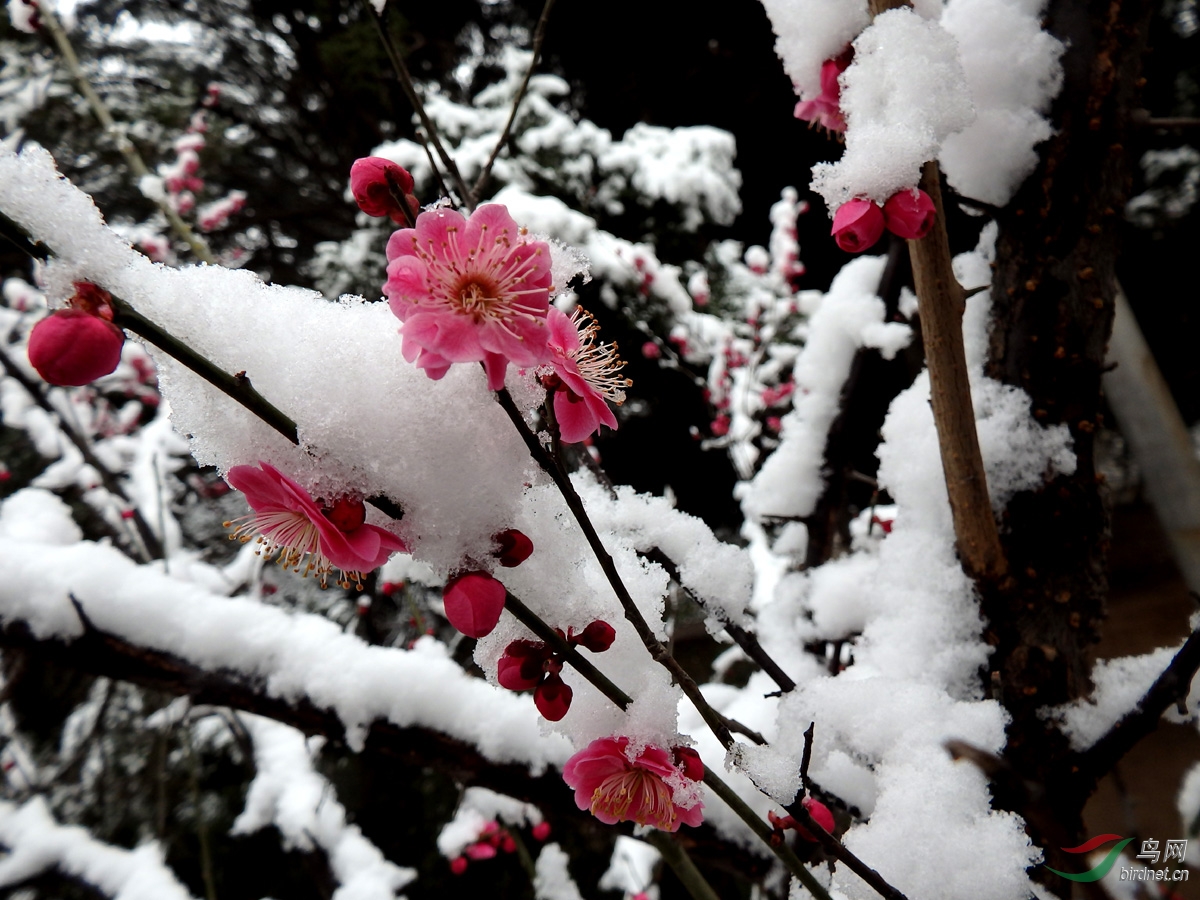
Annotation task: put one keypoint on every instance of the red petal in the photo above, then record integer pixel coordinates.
(553, 698)
(474, 602)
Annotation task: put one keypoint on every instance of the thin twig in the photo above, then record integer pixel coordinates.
(410, 91)
(744, 639)
(151, 546)
(132, 158)
(623, 700)
(1169, 688)
(433, 166)
(806, 758)
(539, 36)
(941, 309)
(657, 651)
(780, 848)
(681, 864)
(237, 387)
(842, 854)
(559, 645)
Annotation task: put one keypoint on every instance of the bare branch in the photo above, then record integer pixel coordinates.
(539, 36)
(410, 91)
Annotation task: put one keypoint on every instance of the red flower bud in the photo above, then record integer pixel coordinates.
(541, 831)
(821, 815)
(553, 698)
(346, 513)
(857, 225)
(513, 548)
(909, 214)
(480, 850)
(780, 823)
(458, 865)
(71, 347)
(474, 602)
(597, 637)
(378, 186)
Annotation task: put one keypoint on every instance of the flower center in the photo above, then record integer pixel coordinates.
(292, 540)
(636, 795)
(476, 300)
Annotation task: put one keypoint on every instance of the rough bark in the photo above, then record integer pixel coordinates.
(1053, 295)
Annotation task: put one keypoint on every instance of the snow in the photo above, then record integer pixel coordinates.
(848, 317)
(631, 867)
(289, 794)
(901, 97)
(1120, 685)
(967, 82)
(36, 843)
(293, 655)
(1013, 72)
(553, 879)
(812, 31)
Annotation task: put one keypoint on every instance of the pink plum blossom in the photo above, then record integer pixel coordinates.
(909, 214)
(304, 535)
(617, 788)
(470, 290)
(825, 109)
(857, 225)
(587, 375)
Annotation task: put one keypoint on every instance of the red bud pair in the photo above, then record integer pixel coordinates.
(859, 223)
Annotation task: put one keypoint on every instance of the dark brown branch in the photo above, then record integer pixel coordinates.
(941, 309)
(1171, 687)
(539, 36)
(560, 646)
(110, 656)
(236, 387)
(838, 851)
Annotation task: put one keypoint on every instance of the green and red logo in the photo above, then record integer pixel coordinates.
(1100, 869)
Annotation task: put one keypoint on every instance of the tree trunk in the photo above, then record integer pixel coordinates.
(1053, 299)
